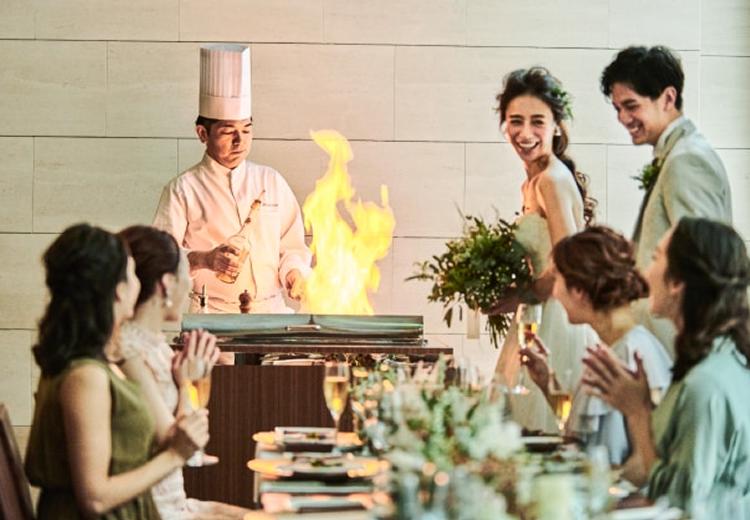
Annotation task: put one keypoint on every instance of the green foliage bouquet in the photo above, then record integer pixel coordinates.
(486, 264)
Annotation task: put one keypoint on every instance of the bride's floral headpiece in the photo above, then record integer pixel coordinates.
(565, 100)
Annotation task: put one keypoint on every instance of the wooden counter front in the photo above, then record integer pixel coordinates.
(247, 398)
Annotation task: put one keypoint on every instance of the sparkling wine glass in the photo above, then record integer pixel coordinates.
(199, 392)
(336, 389)
(560, 395)
(528, 318)
(357, 398)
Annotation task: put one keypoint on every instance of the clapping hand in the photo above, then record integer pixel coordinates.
(609, 379)
(198, 347)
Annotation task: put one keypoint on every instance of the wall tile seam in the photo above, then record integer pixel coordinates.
(301, 140)
(333, 44)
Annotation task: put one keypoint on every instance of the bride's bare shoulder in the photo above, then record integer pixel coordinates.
(556, 176)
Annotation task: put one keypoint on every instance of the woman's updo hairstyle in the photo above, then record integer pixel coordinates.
(83, 267)
(601, 263)
(155, 253)
(539, 83)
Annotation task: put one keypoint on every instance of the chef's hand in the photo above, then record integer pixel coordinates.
(295, 284)
(221, 259)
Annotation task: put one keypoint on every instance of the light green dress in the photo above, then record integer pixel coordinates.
(702, 432)
(47, 464)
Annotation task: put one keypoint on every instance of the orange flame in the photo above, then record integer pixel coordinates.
(345, 269)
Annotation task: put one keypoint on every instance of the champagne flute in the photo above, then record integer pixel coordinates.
(199, 393)
(561, 397)
(360, 376)
(336, 389)
(528, 318)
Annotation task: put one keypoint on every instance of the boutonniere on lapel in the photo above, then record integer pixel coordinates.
(648, 175)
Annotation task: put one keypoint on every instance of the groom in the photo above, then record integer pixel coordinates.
(686, 176)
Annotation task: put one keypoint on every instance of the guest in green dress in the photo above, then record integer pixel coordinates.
(91, 448)
(695, 446)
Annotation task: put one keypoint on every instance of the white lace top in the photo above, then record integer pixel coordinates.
(169, 494)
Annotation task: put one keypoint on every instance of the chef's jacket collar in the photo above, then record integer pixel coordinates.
(210, 164)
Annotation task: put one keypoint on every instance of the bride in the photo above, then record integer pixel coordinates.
(532, 108)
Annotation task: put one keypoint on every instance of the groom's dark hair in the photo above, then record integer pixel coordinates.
(648, 71)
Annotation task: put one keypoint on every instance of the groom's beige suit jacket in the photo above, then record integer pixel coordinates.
(692, 182)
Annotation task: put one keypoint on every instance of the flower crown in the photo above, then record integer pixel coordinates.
(564, 98)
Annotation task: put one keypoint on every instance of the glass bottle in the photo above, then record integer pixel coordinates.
(241, 243)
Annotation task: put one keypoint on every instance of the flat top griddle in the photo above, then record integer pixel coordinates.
(310, 329)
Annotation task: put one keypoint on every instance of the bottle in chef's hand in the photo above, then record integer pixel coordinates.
(236, 253)
(240, 245)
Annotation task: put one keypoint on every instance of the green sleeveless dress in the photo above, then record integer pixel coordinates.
(47, 464)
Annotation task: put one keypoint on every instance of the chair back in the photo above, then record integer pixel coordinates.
(15, 500)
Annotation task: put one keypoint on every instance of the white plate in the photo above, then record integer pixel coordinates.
(543, 439)
(323, 504)
(304, 435)
(306, 468)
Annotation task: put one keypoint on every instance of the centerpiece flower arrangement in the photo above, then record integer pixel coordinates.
(432, 431)
(484, 265)
(453, 453)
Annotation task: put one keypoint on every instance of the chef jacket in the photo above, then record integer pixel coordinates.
(208, 203)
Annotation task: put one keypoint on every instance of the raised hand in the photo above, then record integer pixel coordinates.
(536, 360)
(199, 346)
(503, 306)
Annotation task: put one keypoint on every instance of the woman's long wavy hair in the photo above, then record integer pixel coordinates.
(84, 265)
(711, 260)
(538, 82)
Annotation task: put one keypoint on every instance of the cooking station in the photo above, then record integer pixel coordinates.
(277, 380)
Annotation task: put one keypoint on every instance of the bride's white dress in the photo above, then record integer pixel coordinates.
(567, 343)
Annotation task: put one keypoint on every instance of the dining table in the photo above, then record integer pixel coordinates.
(364, 493)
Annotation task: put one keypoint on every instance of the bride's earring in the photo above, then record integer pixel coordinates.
(558, 132)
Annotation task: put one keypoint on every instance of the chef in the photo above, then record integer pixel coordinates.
(210, 202)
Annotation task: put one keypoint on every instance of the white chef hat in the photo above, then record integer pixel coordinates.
(225, 82)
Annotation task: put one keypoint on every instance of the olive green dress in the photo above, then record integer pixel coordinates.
(702, 432)
(47, 464)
